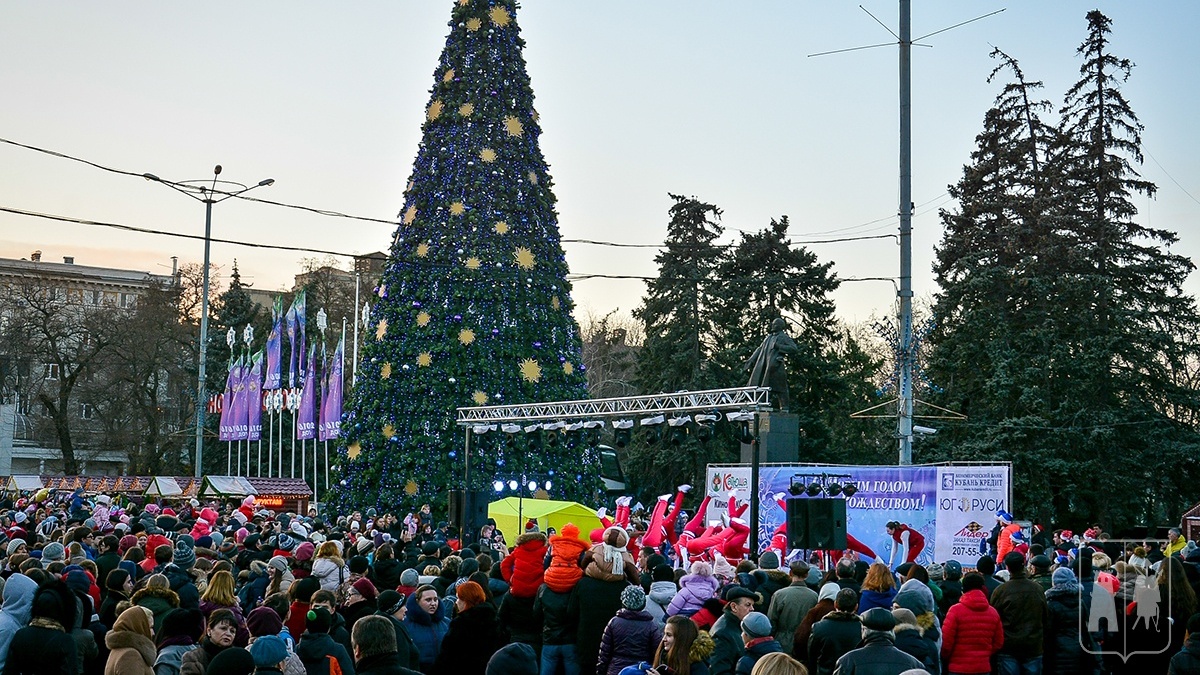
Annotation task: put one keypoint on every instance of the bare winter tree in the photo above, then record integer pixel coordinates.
(610, 349)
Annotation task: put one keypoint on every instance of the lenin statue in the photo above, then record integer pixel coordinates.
(766, 365)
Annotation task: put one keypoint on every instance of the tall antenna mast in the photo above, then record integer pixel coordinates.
(907, 356)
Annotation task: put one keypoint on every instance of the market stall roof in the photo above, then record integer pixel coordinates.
(163, 486)
(548, 512)
(132, 485)
(226, 486)
(296, 488)
(24, 484)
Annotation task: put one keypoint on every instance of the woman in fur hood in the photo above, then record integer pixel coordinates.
(684, 649)
(131, 644)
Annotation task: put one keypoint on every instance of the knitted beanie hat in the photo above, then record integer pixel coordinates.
(634, 598)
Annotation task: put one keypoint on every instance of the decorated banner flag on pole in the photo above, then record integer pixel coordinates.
(254, 399)
(291, 333)
(331, 406)
(239, 415)
(225, 429)
(300, 302)
(307, 426)
(273, 378)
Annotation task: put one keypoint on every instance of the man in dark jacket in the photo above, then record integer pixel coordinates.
(559, 616)
(375, 648)
(727, 631)
(986, 566)
(845, 575)
(1041, 572)
(316, 646)
(951, 585)
(1021, 603)
(391, 607)
(107, 560)
(877, 654)
(756, 636)
(834, 635)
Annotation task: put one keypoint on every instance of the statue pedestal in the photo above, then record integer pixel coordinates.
(778, 439)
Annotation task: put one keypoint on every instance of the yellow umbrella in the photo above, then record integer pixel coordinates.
(547, 512)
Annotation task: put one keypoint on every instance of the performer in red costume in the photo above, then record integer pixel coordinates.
(909, 543)
(662, 522)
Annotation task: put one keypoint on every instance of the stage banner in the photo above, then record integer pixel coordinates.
(331, 405)
(275, 346)
(911, 495)
(254, 399)
(240, 415)
(968, 498)
(306, 426)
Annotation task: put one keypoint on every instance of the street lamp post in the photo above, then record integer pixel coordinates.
(209, 194)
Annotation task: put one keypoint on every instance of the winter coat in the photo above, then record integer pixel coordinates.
(170, 659)
(160, 601)
(108, 608)
(474, 636)
(770, 581)
(196, 661)
(314, 650)
(693, 591)
(356, 611)
(295, 622)
(87, 642)
(597, 567)
(832, 637)
(871, 599)
(253, 591)
(1022, 607)
(41, 648)
(427, 631)
(755, 651)
(698, 655)
(910, 641)
(788, 608)
(387, 574)
(339, 633)
(14, 613)
(330, 572)
(599, 601)
(406, 650)
(1187, 661)
(523, 568)
(804, 630)
(517, 615)
(1064, 655)
(383, 664)
(877, 656)
(951, 593)
(728, 647)
(971, 634)
(659, 598)
(131, 651)
(565, 551)
(631, 636)
(558, 614)
(183, 584)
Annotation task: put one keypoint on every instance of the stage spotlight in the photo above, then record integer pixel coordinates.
(533, 437)
(510, 435)
(744, 434)
(796, 489)
(813, 489)
(679, 429)
(849, 489)
(512, 485)
(532, 486)
(574, 435)
(548, 486)
(622, 432)
(705, 427)
(833, 489)
(498, 486)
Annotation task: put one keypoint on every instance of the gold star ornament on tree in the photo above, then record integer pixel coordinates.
(474, 24)
(388, 431)
(381, 329)
(568, 368)
(531, 371)
(488, 155)
(458, 208)
(479, 397)
(500, 227)
(466, 109)
(448, 76)
(473, 263)
(423, 318)
(410, 214)
(524, 258)
(513, 127)
(385, 371)
(466, 336)
(435, 110)
(354, 450)
(424, 359)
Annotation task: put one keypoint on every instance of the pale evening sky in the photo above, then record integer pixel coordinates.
(636, 98)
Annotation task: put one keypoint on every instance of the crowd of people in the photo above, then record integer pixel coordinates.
(192, 588)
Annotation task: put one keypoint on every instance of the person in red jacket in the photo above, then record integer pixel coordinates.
(523, 568)
(909, 543)
(972, 632)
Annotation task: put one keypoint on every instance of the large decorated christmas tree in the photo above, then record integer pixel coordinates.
(473, 308)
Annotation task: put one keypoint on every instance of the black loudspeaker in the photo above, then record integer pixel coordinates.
(468, 512)
(816, 524)
(457, 507)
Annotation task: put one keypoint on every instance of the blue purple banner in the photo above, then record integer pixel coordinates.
(950, 508)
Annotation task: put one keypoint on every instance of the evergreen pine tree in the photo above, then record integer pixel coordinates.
(473, 307)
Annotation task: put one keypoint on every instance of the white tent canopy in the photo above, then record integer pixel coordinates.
(226, 486)
(163, 486)
(24, 484)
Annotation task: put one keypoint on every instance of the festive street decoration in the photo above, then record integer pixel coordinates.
(476, 287)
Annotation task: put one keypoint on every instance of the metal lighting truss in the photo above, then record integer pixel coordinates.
(734, 399)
